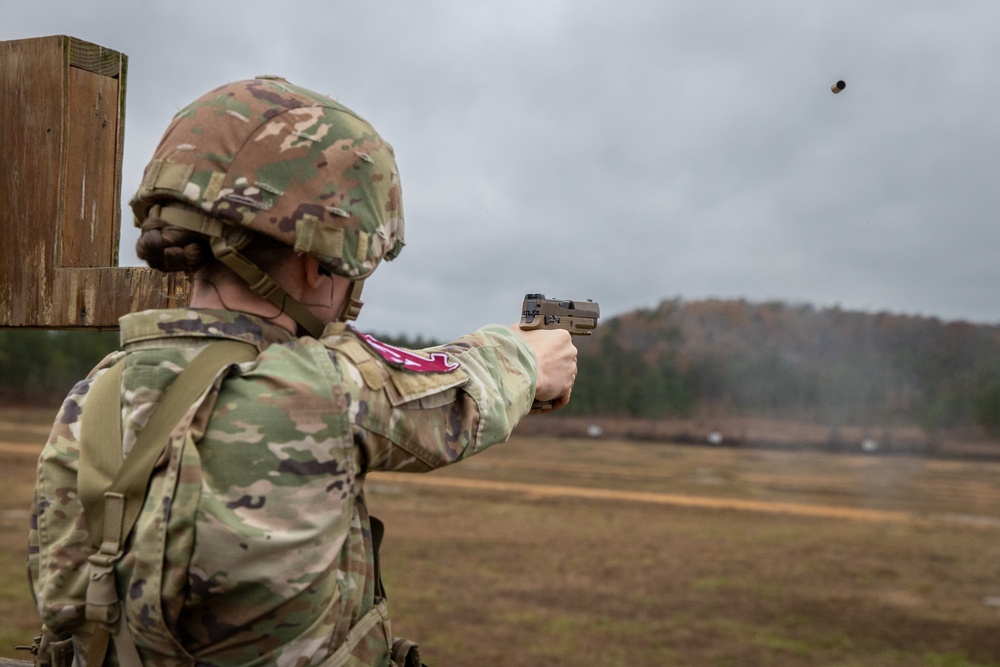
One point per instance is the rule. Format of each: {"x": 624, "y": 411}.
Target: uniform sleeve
{"x": 445, "y": 417}
{"x": 59, "y": 541}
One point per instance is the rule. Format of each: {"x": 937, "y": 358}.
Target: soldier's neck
{"x": 221, "y": 292}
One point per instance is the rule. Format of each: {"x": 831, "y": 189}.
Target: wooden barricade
{"x": 62, "y": 113}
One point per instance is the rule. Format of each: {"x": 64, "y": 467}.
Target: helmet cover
{"x": 286, "y": 162}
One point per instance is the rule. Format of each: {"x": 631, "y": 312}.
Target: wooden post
{"x": 62, "y": 117}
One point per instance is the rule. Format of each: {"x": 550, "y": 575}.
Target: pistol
{"x": 577, "y": 317}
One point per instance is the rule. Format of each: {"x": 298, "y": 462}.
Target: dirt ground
{"x": 551, "y": 551}
{"x": 617, "y": 553}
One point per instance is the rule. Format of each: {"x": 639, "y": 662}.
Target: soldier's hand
{"x": 556, "y": 357}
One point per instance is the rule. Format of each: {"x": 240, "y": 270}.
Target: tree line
{"x": 794, "y": 361}
{"x": 39, "y": 367}
{"x": 683, "y": 358}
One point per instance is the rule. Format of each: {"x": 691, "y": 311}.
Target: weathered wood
{"x": 92, "y": 186}
{"x": 8, "y": 662}
{"x": 62, "y": 109}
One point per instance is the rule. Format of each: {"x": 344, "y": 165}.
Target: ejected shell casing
{"x": 837, "y": 87}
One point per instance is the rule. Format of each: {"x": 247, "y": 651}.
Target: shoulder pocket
{"x": 430, "y": 390}
{"x": 402, "y": 382}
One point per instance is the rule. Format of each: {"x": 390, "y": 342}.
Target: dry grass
{"x": 550, "y": 579}
{"x": 22, "y": 434}
{"x": 553, "y": 567}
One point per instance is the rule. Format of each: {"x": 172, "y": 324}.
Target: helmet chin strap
{"x": 264, "y": 286}
{"x": 227, "y": 242}
{"x": 352, "y": 302}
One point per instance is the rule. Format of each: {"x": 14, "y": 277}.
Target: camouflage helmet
{"x": 286, "y": 162}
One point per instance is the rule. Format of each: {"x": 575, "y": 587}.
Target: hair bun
{"x": 172, "y": 249}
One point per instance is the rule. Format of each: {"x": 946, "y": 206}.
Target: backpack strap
{"x": 113, "y": 491}
{"x": 99, "y": 464}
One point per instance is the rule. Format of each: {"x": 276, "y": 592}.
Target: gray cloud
{"x": 627, "y": 152}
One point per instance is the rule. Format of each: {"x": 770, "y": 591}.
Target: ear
{"x": 311, "y": 275}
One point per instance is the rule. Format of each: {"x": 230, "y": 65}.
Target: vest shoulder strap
{"x": 113, "y": 490}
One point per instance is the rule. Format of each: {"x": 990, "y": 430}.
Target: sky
{"x": 625, "y": 152}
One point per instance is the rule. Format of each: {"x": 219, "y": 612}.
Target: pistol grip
{"x": 540, "y": 407}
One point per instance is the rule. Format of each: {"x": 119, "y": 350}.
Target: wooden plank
{"x": 30, "y": 144}
{"x": 62, "y": 104}
{"x": 91, "y": 201}
{"x": 97, "y": 59}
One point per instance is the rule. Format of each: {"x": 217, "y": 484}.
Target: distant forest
{"x": 40, "y": 367}
{"x": 827, "y": 366}
{"x": 684, "y": 358}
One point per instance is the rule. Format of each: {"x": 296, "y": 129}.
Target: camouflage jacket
{"x": 254, "y": 548}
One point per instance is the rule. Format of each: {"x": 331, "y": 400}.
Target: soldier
{"x": 235, "y": 532}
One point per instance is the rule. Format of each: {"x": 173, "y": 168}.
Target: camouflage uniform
{"x": 255, "y": 547}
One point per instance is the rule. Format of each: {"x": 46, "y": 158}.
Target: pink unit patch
{"x": 437, "y": 362}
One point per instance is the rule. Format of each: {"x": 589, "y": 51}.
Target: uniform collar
{"x": 151, "y": 325}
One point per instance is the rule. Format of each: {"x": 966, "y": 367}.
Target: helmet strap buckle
{"x": 352, "y": 302}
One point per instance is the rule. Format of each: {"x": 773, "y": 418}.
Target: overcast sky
{"x": 627, "y": 152}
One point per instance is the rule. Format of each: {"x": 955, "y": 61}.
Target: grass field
{"x": 601, "y": 552}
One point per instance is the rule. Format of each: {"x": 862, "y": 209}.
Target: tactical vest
{"x": 113, "y": 493}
